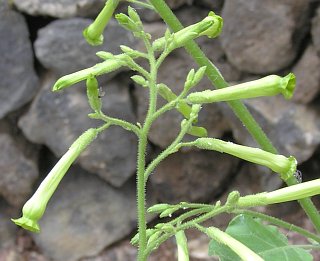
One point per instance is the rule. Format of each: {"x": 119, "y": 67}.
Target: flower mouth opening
{"x": 288, "y": 85}
{"x": 28, "y": 224}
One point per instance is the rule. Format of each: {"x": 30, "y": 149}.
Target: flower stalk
{"x": 267, "y": 86}
{"x": 35, "y": 207}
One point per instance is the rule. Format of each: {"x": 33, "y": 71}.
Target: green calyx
{"x": 267, "y": 86}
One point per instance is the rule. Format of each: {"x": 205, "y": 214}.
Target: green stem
{"x": 238, "y": 108}
{"x": 142, "y": 147}
{"x": 278, "y": 222}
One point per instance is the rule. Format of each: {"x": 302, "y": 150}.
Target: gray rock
{"x": 294, "y": 129}
{"x": 7, "y": 228}
{"x": 192, "y": 176}
{"x": 263, "y": 36}
{"x": 60, "y": 9}
{"x": 214, "y": 5}
{"x": 61, "y": 47}
{"x": 57, "y": 119}
{"x": 173, "y": 73}
{"x": 18, "y": 172}
{"x": 119, "y": 252}
{"x": 308, "y": 76}
{"x": 84, "y": 216}
{"x": 315, "y": 30}
{"x": 18, "y": 82}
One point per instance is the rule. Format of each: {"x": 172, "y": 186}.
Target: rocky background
{"x": 92, "y": 215}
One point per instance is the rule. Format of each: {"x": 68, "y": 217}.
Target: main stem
{"x": 142, "y": 147}
{"x": 237, "y": 106}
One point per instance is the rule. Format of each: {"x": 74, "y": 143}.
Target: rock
{"x": 18, "y": 170}
{"x": 308, "y": 76}
{"x": 293, "y": 129}
{"x": 215, "y": 5}
{"x": 11, "y": 254}
{"x": 18, "y": 82}
{"x": 173, "y": 72}
{"x": 58, "y": 9}
{"x": 315, "y": 31}
{"x": 7, "y": 228}
{"x": 263, "y": 37}
{"x": 194, "y": 176}
{"x": 61, "y": 47}
{"x": 119, "y": 252}
{"x": 57, "y": 119}
{"x": 84, "y": 216}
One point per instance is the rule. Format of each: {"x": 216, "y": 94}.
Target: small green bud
{"x": 233, "y": 198}
{"x": 168, "y": 212}
{"x": 189, "y": 80}
{"x": 199, "y": 75}
{"x": 135, "y": 240}
{"x": 93, "y": 93}
{"x": 267, "y": 86}
{"x": 94, "y": 32}
{"x": 154, "y": 237}
{"x": 134, "y": 16}
{"x": 132, "y": 53}
{"x": 278, "y": 163}
{"x": 168, "y": 228}
{"x": 158, "y": 208}
{"x": 35, "y": 207}
{"x": 195, "y": 110}
{"x": 169, "y": 96}
{"x": 105, "y": 55}
{"x": 140, "y": 80}
{"x": 194, "y": 78}
{"x": 127, "y": 23}
{"x": 197, "y": 131}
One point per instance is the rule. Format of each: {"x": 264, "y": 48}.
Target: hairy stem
{"x": 142, "y": 147}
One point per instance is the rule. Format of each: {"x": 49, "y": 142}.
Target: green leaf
{"x": 265, "y": 240}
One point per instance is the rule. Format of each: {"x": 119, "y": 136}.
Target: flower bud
{"x": 267, "y": 86}
{"x": 93, "y": 93}
{"x": 35, "y": 207}
{"x": 107, "y": 66}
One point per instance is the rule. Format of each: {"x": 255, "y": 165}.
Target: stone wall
{"x": 94, "y": 207}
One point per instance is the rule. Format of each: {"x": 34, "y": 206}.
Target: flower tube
{"x": 35, "y": 207}
{"x": 278, "y": 163}
{"x": 267, "y": 86}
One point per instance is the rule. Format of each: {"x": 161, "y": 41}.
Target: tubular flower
{"x": 278, "y": 163}
{"x": 35, "y": 207}
{"x": 210, "y": 26}
{"x": 267, "y": 86}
